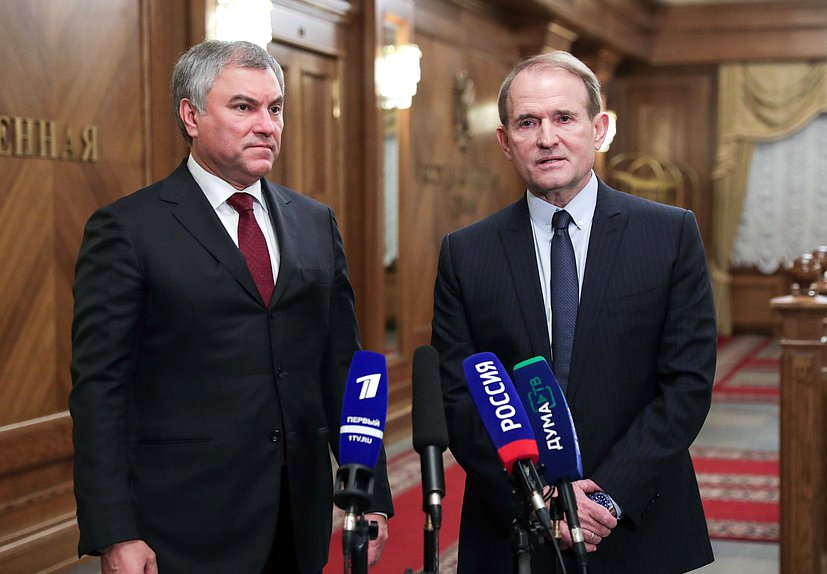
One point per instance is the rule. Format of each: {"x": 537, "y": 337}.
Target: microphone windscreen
{"x": 500, "y": 408}
{"x": 364, "y": 410}
{"x": 427, "y": 411}
{"x": 550, "y": 418}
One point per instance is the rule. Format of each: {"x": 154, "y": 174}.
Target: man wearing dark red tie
{"x": 213, "y": 331}
{"x": 613, "y": 291}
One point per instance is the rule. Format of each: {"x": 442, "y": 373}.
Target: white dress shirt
{"x": 581, "y": 208}
{"x": 219, "y": 191}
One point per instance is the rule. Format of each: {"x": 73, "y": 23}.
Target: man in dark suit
{"x": 214, "y": 328}
{"x": 636, "y": 359}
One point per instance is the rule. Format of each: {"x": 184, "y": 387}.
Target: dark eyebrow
{"x": 567, "y": 113}
{"x": 522, "y": 117}
{"x": 242, "y": 98}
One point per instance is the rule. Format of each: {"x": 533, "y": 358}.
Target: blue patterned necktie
{"x": 565, "y": 296}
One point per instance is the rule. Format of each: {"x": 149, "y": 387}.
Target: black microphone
{"x": 364, "y": 410}
{"x": 430, "y": 432}
{"x": 430, "y": 439}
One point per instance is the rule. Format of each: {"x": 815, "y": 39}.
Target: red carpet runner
{"x": 739, "y": 489}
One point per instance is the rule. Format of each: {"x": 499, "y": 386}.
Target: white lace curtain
{"x": 785, "y": 208}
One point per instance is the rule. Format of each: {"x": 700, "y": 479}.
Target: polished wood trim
{"x": 669, "y": 113}
{"x": 803, "y": 416}
{"x": 51, "y": 548}
{"x": 318, "y": 26}
{"x": 35, "y": 442}
{"x": 166, "y": 34}
{"x": 39, "y": 532}
{"x": 761, "y": 31}
{"x": 750, "y": 291}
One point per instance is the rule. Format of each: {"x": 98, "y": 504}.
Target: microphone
{"x": 430, "y": 432}
{"x": 559, "y": 449}
{"x": 507, "y": 425}
{"x": 430, "y": 439}
{"x": 364, "y": 410}
{"x": 550, "y": 418}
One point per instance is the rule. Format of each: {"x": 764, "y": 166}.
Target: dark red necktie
{"x": 252, "y": 244}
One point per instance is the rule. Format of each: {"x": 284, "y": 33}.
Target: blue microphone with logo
{"x": 559, "y": 450}
{"x": 508, "y": 426}
{"x": 550, "y": 419}
{"x": 364, "y": 410}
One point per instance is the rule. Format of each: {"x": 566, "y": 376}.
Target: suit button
{"x": 280, "y": 373}
{"x": 275, "y": 436}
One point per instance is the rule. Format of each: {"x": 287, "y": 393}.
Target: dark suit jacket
{"x": 186, "y": 386}
{"x": 641, "y": 375}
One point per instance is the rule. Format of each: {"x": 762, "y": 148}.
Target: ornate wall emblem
{"x": 464, "y": 95}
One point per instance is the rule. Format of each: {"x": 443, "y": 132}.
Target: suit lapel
{"x": 287, "y": 233}
{"x": 518, "y": 243}
{"x": 192, "y": 210}
{"x": 607, "y": 231}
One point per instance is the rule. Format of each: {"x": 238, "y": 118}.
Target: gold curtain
{"x": 756, "y": 103}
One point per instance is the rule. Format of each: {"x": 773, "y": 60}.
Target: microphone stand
{"x": 433, "y": 489}
{"x": 522, "y": 534}
{"x": 430, "y": 549}
{"x": 557, "y": 535}
{"x": 527, "y": 531}
{"x": 568, "y": 506}
{"x": 355, "y": 494}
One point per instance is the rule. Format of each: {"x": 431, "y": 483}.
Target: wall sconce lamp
{"x": 240, "y": 20}
{"x": 610, "y": 132}
{"x": 397, "y": 74}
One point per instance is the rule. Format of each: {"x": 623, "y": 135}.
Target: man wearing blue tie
{"x": 614, "y": 292}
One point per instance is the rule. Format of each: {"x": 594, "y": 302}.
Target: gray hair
{"x": 195, "y": 72}
{"x": 557, "y": 59}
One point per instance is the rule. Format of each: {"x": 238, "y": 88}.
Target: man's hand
{"x": 375, "y": 547}
{"x": 596, "y": 522}
{"x": 130, "y": 557}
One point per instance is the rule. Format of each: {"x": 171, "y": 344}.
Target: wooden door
{"x": 310, "y": 160}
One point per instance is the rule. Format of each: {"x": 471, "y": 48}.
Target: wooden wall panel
{"x": 454, "y": 184}
{"x": 80, "y": 83}
{"x": 751, "y": 292}
{"x": 715, "y": 33}
{"x": 452, "y": 187}
{"x": 93, "y": 82}
{"x": 670, "y": 114}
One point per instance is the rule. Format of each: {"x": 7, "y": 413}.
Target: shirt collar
{"x": 219, "y": 191}
{"x": 581, "y": 207}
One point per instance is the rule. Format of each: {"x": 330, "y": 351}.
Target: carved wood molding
{"x": 760, "y": 31}
{"x": 802, "y": 405}
{"x": 38, "y": 530}
{"x": 35, "y": 442}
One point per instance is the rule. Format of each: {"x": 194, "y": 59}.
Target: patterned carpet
{"x": 748, "y": 369}
{"x": 739, "y": 489}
